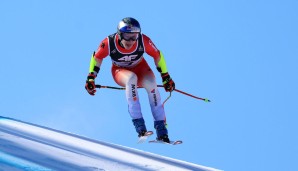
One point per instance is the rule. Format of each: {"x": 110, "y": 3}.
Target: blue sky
{"x": 240, "y": 54}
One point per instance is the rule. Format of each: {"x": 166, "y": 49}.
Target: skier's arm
{"x": 156, "y": 54}
{"x": 97, "y": 57}
{"x": 160, "y": 63}
{"x": 167, "y": 81}
{"x": 94, "y": 66}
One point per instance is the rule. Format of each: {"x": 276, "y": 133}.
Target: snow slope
{"x": 25, "y": 146}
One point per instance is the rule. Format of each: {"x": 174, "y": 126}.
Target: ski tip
{"x": 148, "y": 133}
{"x": 178, "y": 142}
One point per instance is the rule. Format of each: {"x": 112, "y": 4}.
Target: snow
{"x": 25, "y": 146}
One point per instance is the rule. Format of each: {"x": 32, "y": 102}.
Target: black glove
{"x": 168, "y": 83}
{"x": 90, "y": 84}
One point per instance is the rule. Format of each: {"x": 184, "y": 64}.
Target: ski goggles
{"x": 130, "y": 36}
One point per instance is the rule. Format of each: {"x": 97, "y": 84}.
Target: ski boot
{"x": 140, "y": 126}
{"x": 163, "y": 138}
{"x": 142, "y": 133}
{"x": 161, "y": 131}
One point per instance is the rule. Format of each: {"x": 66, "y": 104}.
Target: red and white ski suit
{"x": 130, "y": 70}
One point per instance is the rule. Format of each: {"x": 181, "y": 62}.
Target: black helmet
{"x": 128, "y": 25}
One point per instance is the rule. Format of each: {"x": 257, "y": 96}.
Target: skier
{"x": 129, "y": 69}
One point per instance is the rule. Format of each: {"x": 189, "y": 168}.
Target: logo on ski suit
{"x": 125, "y": 59}
{"x": 128, "y": 58}
{"x": 133, "y": 91}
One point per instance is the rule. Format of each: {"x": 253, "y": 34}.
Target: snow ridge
{"x": 26, "y": 146}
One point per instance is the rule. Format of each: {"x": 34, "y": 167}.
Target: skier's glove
{"x": 90, "y": 84}
{"x": 168, "y": 83}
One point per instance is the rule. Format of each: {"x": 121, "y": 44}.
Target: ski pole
{"x": 122, "y": 88}
{"x": 182, "y": 92}
{"x": 110, "y": 87}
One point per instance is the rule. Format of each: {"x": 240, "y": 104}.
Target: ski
{"x": 170, "y": 143}
{"x": 142, "y": 139}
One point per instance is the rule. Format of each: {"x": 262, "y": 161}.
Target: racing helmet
{"x": 128, "y": 25}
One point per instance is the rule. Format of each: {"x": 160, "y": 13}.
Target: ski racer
{"x": 130, "y": 70}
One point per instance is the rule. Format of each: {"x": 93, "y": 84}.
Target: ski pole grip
{"x": 98, "y": 86}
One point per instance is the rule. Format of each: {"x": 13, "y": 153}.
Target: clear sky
{"x": 242, "y": 55}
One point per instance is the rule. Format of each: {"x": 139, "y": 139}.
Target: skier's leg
{"x": 157, "y": 109}
{"x": 128, "y": 79}
{"x": 161, "y": 130}
{"x": 148, "y": 81}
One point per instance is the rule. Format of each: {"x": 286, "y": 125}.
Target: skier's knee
{"x": 132, "y": 78}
